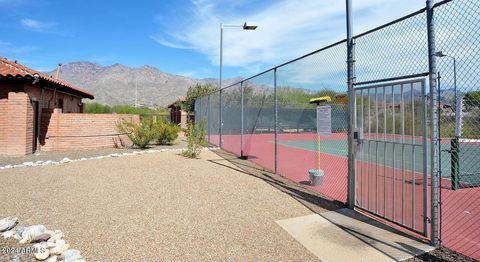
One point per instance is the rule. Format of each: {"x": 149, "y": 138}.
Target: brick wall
{"x": 178, "y": 116}
{"x": 50, "y": 99}
{"x": 16, "y": 125}
{"x": 61, "y": 131}
{"x": 3, "y": 124}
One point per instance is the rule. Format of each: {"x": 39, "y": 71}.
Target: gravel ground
{"x": 76, "y": 154}
{"x": 157, "y": 206}
{"x": 441, "y": 255}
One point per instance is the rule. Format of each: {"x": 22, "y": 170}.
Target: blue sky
{"x": 182, "y": 36}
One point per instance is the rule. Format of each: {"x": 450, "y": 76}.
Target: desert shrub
{"x": 139, "y": 133}
{"x": 195, "y": 139}
{"x": 165, "y": 133}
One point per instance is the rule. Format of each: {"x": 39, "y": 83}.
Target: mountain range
{"x": 116, "y": 84}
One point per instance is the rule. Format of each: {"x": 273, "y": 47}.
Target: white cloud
{"x": 286, "y": 29}
{"x": 36, "y": 25}
{"x": 11, "y": 49}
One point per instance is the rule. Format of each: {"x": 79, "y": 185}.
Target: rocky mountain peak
{"x": 116, "y": 84}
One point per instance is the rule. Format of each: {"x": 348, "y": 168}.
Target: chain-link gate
{"x": 391, "y": 150}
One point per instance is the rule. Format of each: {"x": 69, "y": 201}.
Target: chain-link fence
{"x": 400, "y": 162}
{"x": 458, "y": 60}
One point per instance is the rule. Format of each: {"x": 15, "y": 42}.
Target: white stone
{"x": 28, "y": 164}
{"x": 8, "y": 234}
{"x": 83, "y": 159}
{"x": 65, "y": 160}
{"x": 8, "y": 223}
{"x": 57, "y": 235}
{"x": 18, "y": 233}
{"x": 59, "y": 249}
{"x": 71, "y": 255}
{"x": 8, "y": 166}
{"x": 18, "y": 166}
{"x": 50, "y": 244}
{"x": 52, "y": 259}
{"x": 42, "y": 252}
{"x": 31, "y": 232}
{"x": 60, "y": 242}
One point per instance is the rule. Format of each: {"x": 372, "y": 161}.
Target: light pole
{"x": 245, "y": 26}
{"x": 454, "y": 143}
{"x": 442, "y": 54}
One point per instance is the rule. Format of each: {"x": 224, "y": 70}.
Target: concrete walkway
{"x": 344, "y": 235}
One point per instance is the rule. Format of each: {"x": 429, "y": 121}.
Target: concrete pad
{"x": 344, "y": 235}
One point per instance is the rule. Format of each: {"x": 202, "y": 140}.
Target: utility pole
{"x": 136, "y": 93}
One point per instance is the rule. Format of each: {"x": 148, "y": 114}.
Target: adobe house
{"x": 26, "y": 96}
{"x": 177, "y": 115}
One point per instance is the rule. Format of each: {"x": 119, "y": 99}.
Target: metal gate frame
{"x": 360, "y": 142}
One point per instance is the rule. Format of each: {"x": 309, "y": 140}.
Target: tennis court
{"x": 468, "y": 176}
{"x": 394, "y": 193}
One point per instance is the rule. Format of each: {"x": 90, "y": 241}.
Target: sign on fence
{"x": 324, "y": 120}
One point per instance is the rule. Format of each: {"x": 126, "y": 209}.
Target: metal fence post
{"x": 351, "y": 104}
{"x": 433, "y": 122}
{"x": 221, "y": 120}
{"x": 276, "y": 116}
{"x": 241, "y": 119}
{"x": 208, "y": 118}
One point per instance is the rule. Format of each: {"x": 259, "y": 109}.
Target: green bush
{"x": 165, "y": 133}
{"x": 97, "y": 108}
{"x": 140, "y": 134}
{"x": 195, "y": 139}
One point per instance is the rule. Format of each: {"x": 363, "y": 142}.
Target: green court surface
{"x": 382, "y": 153}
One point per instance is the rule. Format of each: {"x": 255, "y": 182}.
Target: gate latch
{"x": 358, "y": 135}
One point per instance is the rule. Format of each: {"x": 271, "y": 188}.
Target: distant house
{"x": 25, "y": 94}
{"x": 177, "y": 115}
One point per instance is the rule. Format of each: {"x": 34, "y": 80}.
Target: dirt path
{"x": 154, "y": 207}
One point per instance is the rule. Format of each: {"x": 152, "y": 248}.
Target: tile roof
{"x": 12, "y": 69}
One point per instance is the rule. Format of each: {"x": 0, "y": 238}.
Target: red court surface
{"x": 377, "y": 191}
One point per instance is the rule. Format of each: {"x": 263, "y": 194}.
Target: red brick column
{"x": 17, "y": 130}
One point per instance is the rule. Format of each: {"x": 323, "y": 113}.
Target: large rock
{"x": 8, "y": 223}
